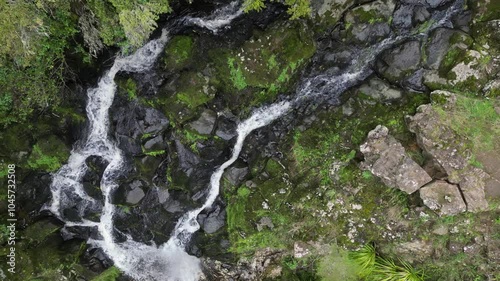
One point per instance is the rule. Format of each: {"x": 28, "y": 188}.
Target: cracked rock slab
{"x": 386, "y": 158}
{"x": 443, "y": 197}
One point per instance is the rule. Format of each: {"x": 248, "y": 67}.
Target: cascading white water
{"x": 218, "y": 19}
{"x": 169, "y": 262}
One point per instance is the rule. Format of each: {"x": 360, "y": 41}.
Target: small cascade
{"x": 220, "y": 18}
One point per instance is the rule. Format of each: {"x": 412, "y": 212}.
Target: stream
{"x": 170, "y": 261}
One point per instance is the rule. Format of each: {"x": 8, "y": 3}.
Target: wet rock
{"x": 236, "y": 175}
{"x": 386, "y": 158}
{"x": 226, "y": 126}
{"x": 437, "y": 3}
{"x": 213, "y": 221}
{"x": 132, "y": 122}
{"x": 396, "y": 63}
{"x": 136, "y": 192}
{"x": 369, "y": 23}
{"x": 156, "y": 143}
{"x": 442, "y": 197}
{"x": 205, "y": 124}
{"x": 91, "y": 181}
{"x": 438, "y": 46}
{"x": 380, "y": 90}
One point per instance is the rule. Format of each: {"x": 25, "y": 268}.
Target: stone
{"x": 448, "y": 150}
{"x": 369, "y": 23}
{"x": 135, "y": 192}
{"x": 155, "y": 144}
{"x": 437, "y": 3}
{"x": 135, "y": 195}
{"x": 416, "y": 250}
{"x": 380, "y": 90}
{"x": 300, "y": 250}
{"x": 443, "y": 197}
{"x": 386, "y": 158}
{"x": 265, "y": 222}
{"x": 213, "y": 221}
{"x": 205, "y": 124}
{"x": 399, "y": 61}
{"x": 236, "y": 175}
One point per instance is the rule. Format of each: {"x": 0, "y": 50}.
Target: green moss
{"x": 453, "y": 57}
{"x": 127, "y": 88}
{"x": 370, "y": 16}
{"x": 264, "y": 65}
{"x": 236, "y": 75}
{"x": 110, "y": 274}
{"x": 178, "y": 51}
{"x": 337, "y": 266}
{"x": 48, "y": 154}
{"x": 193, "y": 90}
{"x": 475, "y": 120}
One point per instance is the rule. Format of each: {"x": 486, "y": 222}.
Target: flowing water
{"x": 169, "y": 261}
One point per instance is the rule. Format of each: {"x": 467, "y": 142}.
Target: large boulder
{"x": 386, "y": 158}
{"x": 443, "y": 197}
{"x": 398, "y": 62}
{"x": 205, "y": 124}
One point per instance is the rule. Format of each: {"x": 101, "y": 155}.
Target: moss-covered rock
{"x": 178, "y": 52}
{"x": 48, "y": 154}
{"x": 265, "y": 63}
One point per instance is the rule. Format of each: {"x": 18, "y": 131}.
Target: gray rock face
{"x": 442, "y": 197}
{"x": 155, "y": 144}
{"x": 136, "y": 193}
{"x": 386, "y": 158}
{"x": 439, "y": 44}
{"x": 380, "y": 90}
{"x": 205, "y": 124}
{"x": 132, "y": 122}
{"x": 449, "y": 150}
{"x": 399, "y": 61}
{"x": 236, "y": 175}
{"x": 370, "y": 22}
{"x": 212, "y": 221}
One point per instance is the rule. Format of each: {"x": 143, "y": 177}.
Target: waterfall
{"x": 170, "y": 262}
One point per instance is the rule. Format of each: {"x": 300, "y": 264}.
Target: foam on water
{"x": 219, "y": 19}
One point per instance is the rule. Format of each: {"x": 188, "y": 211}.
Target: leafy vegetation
{"x": 48, "y": 155}
{"x": 296, "y": 8}
{"x": 109, "y": 274}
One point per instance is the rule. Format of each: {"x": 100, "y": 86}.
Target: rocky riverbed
{"x": 406, "y": 158}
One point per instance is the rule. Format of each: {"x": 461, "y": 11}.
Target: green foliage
{"x": 476, "y": 120}
{"x": 178, "y": 51}
{"x": 296, "y": 8}
{"x": 110, "y": 274}
{"x": 365, "y": 258}
{"x": 32, "y": 64}
{"x": 388, "y": 270}
{"x": 48, "y": 155}
{"x": 253, "y": 5}
{"x": 236, "y": 75}
{"x": 128, "y": 87}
